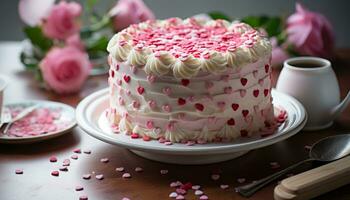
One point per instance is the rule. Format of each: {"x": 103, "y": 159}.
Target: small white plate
{"x": 91, "y": 118}
{"x": 67, "y": 114}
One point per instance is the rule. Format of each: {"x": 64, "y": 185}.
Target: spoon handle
{"x": 249, "y": 189}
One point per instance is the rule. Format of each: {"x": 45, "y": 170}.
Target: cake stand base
{"x": 188, "y": 159}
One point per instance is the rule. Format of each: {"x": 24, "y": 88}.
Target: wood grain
{"x": 37, "y": 183}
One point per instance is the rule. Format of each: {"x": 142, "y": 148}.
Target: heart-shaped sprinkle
{"x": 126, "y": 175}
{"x": 215, "y": 177}
{"x": 241, "y": 180}
{"x": 231, "y": 122}
{"x": 135, "y": 135}
{"x": 146, "y": 138}
{"x": 199, "y": 106}
{"x": 266, "y": 92}
{"x": 79, "y": 188}
{"x": 221, "y": 105}
{"x": 133, "y": 69}
{"x": 203, "y": 197}
{"x": 119, "y": 169}
{"x": 149, "y": 124}
{"x": 167, "y": 108}
{"x": 181, "y": 101}
{"x": 111, "y": 73}
{"x": 74, "y": 157}
{"x": 198, "y": 192}
{"x": 53, "y": 159}
{"x": 140, "y": 90}
{"x": 180, "y": 197}
{"x": 77, "y": 150}
{"x": 225, "y": 78}
{"x": 224, "y": 187}
{"x": 151, "y": 79}
{"x": 163, "y": 171}
{"x": 19, "y": 171}
{"x": 138, "y": 169}
{"x": 261, "y": 82}
{"x": 181, "y": 191}
{"x": 242, "y": 93}
{"x": 244, "y": 81}
{"x": 244, "y": 133}
{"x": 152, "y": 104}
{"x": 104, "y": 160}
{"x": 86, "y": 176}
{"x": 126, "y": 78}
{"x": 245, "y": 113}
{"x": 119, "y": 82}
{"x": 256, "y": 93}
{"x": 173, "y": 195}
{"x": 128, "y": 92}
{"x": 235, "y": 106}
{"x": 136, "y": 104}
{"x": 99, "y": 177}
{"x": 167, "y": 91}
{"x": 267, "y": 67}
{"x": 121, "y": 101}
{"x": 83, "y": 197}
{"x": 117, "y": 67}
{"x": 185, "y": 82}
{"x": 63, "y": 168}
{"x": 196, "y": 187}
{"x": 55, "y": 173}
{"x": 228, "y": 90}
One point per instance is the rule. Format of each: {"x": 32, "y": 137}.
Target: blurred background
{"x": 337, "y": 12}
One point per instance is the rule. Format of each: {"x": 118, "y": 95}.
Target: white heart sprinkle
{"x": 198, "y": 192}
{"x": 173, "y": 195}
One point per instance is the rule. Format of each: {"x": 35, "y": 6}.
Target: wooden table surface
{"x": 37, "y": 183}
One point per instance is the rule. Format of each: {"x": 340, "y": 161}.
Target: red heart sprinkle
{"x": 267, "y": 68}
{"x": 244, "y": 133}
{"x": 53, "y": 159}
{"x": 181, "y": 101}
{"x": 256, "y": 93}
{"x": 112, "y": 73}
{"x": 266, "y": 92}
{"x": 126, "y": 78}
{"x": 135, "y": 135}
{"x": 199, "y": 106}
{"x": 55, "y": 173}
{"x": 231, "y": 122}
{"x": 140, "y": 90}
{"x": 245, "y": 113}
{"x": 185, "y": 82}
{"x": 235, "y": 106}
{"x": 146, "y": 138}
{"x": 244, "y": 81}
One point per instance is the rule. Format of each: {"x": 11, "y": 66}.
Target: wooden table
{"x": 37, "y": 183}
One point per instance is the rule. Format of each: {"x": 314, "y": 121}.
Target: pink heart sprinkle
{"x": 180, "y": 197}
{"x": 79, "y": 188}
{"x": 228, "y": 90}
{"x": 221, "y": 104}
{"x": 261, "y": 82}
{"x": 173, "y": 195}
{"x": 19, "y": 171}
{"x": 75, "y": 157}
{"x": 150, "y": 124}
{"x": 77, "y": 150}
{"x": 119, "y": 169}
{"x": 55, "y": 173}
{"x": 99, "y": 177}
{"x": 203, "y": 197}
{"x": 196, "y": 187}
{"x": 198, "y": 192}
{"x": 53, "y": 159}
{"x": 125, "y": 198}
{"x": 222, "y": 186}
{"x": 174, "y": 184}
{"x": 167, "y": 91}
{"x": 63, "y": 168}
{"x": 167, "y": 108}
{"x": 83, "y": 197}
{"x": 181, "y": 191}
{"x": 86, "y": 176}
{"x": 215, "y": 177}
{"x": 242, "y": 93}
{"x": 151, "y": 79}
{"x": 104, "y": 160}
{"x": 209, "y": 85}
{"x": 126, "y": 175}
{"x": 152, "y": 104}
{"x": 138, "y": 169}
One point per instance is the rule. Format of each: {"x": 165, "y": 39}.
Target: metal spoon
{"x": 325, "y": 150}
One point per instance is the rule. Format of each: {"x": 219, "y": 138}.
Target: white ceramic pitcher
{"x": 312, "y": 81}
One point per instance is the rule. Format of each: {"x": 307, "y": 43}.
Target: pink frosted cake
{"x": 190, "y": 80}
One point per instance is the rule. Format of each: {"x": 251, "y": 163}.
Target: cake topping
{"x": 187, "y": 46}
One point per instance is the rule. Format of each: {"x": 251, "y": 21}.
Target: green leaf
{"x": 219, "y": 15}
{"x": 272, "y": 25}
{"x": 36, "y": 37}
{"x": 90, "y": 4}
{"x": 97, "y": 43}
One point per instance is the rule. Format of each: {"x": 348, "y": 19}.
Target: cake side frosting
{"x": 202, "y": 92}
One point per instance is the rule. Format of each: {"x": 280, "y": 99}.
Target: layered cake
{"x": 190, "y": 80}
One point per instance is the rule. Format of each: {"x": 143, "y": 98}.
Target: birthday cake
{"x": 190, "y": 80}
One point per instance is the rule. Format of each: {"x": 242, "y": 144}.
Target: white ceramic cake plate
{"x": 90, "y": 115}
{"x": 67, "y": 114}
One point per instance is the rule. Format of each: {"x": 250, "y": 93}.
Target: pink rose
{"x": 32, "y": 12}
{"x": 65, "y": 69}
{"x": 279, "y": 54}
{"x": 310, "y": 33}
{"x": 62, "y": 21}
{"x": 75, "y": 41}
{"x": 127, "y": 12}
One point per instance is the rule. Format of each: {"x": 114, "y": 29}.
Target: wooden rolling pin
{"x": 315, "y": 182}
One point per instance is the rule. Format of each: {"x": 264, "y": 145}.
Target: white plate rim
{"x": 42, "y": 137}
{"x": 93, "y": 98}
